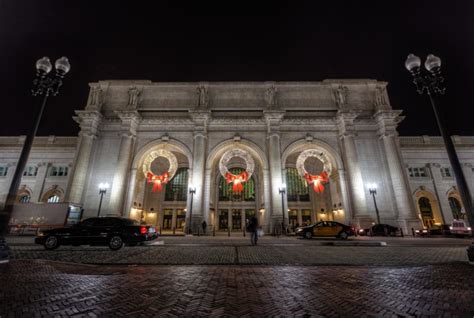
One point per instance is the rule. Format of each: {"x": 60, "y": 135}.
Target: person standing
{"x": 253, "y": 229}
{"x": 204, "y": 226}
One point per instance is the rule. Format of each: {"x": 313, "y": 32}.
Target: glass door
{"x": 167, "y": 219}
{"x": 236, "y": 219}
{"x": 180, "y": 218}
{"x": 223, "y": 219}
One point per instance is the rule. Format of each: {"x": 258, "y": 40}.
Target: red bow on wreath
{"x": 317, "y": 181}
{"x": 158, "y": 180}
{"x": 237, "y": 180}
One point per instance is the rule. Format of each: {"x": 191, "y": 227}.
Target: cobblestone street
{"x": 39, "y": 288}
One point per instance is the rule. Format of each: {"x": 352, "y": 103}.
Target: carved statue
{"x": 380, "y": 96}
{"x": 340, "y": 94}
{"x": 133, "y": 94}
{"x": 270, "y": 97}
{"x": 95, "y": 96}
{"x": 203, "y": 96}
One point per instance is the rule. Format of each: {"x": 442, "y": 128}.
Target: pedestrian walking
{"x": 253, "y": 228}
{"x": 204, "y": 226}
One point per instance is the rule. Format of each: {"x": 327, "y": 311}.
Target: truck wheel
{"x": 115, "y": 243}
{"x": 51, "y": 242}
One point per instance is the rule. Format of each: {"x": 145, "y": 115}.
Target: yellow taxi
{"x": 325, "y": 229}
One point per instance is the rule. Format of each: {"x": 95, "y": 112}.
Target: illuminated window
{"x": 24, "y": 198}
{"x": 297, "y": 188}
{"x": 226, "y": 193}
{"x": 177, "y": 188}
{"x": 54, "y": 199}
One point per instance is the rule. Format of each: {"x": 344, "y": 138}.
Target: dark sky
{"x": 234, "y": 41}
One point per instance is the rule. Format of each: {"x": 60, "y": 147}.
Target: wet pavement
{"x": 30, "y": 288}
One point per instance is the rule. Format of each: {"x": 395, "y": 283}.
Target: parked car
{"x": 422, "y": 232}
{"x": 4, "y": 251}
{"x": 108, "y": 231}
{"x": 442, "y": 229}
{"x": 325, "y": 229}
{"x": 460, "y": 228}
{"x": 381, "y": 230}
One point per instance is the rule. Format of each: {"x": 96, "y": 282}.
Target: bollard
{"x": 470, "y": 254}
{"x": 243, "y": 232}
{"x": 401, "y": 233}
{"x": 160, "y": 230}
{"x": 228, "y": 231}
{"x": 174, "y": 231}
{"x": 213, "y": 231}
{"x": 413, "y": 232}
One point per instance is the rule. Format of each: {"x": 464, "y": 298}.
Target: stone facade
{"x": 350, "y": 121}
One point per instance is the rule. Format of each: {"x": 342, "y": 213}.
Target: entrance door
{"x": 306, "y": 217}
{"x": 167, "y": 219}
{"x": 293, "y": 218}
{"x": 223, "y": 219}
{"x": 180, "y": 218}
{"x": 236, "y": 219}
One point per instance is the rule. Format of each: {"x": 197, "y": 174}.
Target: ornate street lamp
{"x": 102, "y": 190}
{"x": 282, "y": 190}
{"x": 373, "y": 192}
{"x": 192, "y": 191}
{"x": 45, "y": 84}
{"x": 432, "y": 84}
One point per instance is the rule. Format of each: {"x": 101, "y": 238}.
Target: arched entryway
{"x": 227, "y": 210}
{"x": 428, "y": 208}
{"x": 306, "y": 205}
{"x": 165, "y": 206}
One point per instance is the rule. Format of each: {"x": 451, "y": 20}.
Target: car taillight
{"x": 143, "y": 230}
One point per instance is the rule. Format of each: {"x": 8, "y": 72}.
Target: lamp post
{"x": 192, "y": 191}
{"x": 102, "y": 190}
{"x": 431, "y": 83}
{"x": 45, "y": 84}
{"x": 282, "y": 191}
{"x": 373, "y": 192}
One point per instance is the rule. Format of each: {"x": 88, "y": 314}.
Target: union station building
{"x": 222, "y": 152}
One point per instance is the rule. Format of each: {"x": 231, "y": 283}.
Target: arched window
{"x": 296, "y": 186}
{"x": 54, "y": 199}
{"x": 226, "y": 193}
{"x": 177, "y": 188}
{"x": 24, "y": 198}
{"x": 426, "y": 211}
{"x": 455, "y": 208}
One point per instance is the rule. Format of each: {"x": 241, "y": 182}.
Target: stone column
{"x": 387, "y": 121}
{"x": 200, "y": 119}
{"x": 128, "y": 132}
{"x": 8, "y": 182}
{"x": 468, "y": 174}
{"x": 89, "y": 122}
{"x": 437, "y": 179}
{"x": 345, "y": 121}
{"x": 273, "y": 119}
{"x": 39, "y": 182}
{"x": 131, "y": 191}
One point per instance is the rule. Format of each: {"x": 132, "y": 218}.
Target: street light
{"x": 431, "y": 83}
{"x": 45, "y": 84}
{"x": 282, "y": 190}
{"x": 192, "y": 191}
{"x": 373, "y": 192}
{"x": 102, "y": 190}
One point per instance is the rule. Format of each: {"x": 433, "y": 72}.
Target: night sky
{"x": 234, "y": 41}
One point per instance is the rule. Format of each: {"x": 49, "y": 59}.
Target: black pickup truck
{"x": 107, "y": 231}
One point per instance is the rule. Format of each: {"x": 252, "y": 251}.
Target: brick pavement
{"x": 202, "y": 254}
{"x": 48, "y": 289}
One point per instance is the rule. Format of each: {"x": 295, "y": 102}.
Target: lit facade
{"x": 350, "y": 122}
